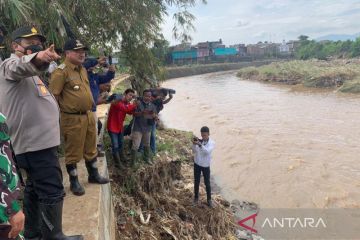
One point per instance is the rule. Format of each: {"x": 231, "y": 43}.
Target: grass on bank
{"x": 344, "y": 74}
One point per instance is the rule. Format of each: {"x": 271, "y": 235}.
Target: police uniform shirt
{"x": 70, "y": 83}
{"x": 31, "y": 110}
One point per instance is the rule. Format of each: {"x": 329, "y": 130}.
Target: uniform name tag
{"x": 41, "y": 88}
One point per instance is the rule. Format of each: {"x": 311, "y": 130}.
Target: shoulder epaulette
{"x": 62, "y": 66}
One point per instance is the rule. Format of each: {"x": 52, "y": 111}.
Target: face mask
{"x": 33, "y": 49}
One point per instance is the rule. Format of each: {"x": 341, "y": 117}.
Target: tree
{"x": 130, "y": 25}
{"x": 355, "y": 48}
{"x": 303, "y": 38}
{"x": 161, "y": 50}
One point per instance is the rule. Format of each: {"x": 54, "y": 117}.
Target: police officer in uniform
{"x": 33, "y": 120}
{"x": 70, "y": 85}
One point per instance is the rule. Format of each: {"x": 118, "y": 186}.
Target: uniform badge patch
{"x": 62, "y": 66}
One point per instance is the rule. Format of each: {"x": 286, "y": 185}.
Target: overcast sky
{"x": 250, "y": 21}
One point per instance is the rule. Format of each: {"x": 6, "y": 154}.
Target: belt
{"x": 78, "y": 113}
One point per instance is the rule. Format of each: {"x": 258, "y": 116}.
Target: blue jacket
{"x": 97, "y": 79}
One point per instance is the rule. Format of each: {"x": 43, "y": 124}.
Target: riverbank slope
{"x": 191, "y": 70}
{"x": 164, "y": 191}
{"x": 342, "y": 75}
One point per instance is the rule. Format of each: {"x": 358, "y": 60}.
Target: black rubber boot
{"x": 122, "y": 155}
{"x": 75, "y": 186}
{"x": 51, "y": 227}
{"x": 209, "y": 203}
{"x": 94, "y": 176}
{"x": 117, "y": 161}
{"x": 32, "y": 213}
{"x": 147, "y": 155}
{"x": 133, "y": 157}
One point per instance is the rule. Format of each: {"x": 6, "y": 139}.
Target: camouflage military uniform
{"x": 9, "y": 180}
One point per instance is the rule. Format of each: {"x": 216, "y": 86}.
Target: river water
{"x": 275, "y": 145}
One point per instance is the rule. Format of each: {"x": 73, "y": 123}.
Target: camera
{"x": 170, "y": 91}
{"x": 163, "y": 91}
{"x": 195, "y": 139}
{"x": 113, "y": 97}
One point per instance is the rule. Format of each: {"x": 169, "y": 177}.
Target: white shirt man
{"x": 202, "y": 152}
{"x": 202, "y": 149}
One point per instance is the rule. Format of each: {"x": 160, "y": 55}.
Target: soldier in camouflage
{"x": 10, "y": 211}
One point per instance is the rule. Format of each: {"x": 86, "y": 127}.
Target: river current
{"x": 275, "y": 145}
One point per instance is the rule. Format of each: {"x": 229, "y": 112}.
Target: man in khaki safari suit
{"x": 70, "y": 85}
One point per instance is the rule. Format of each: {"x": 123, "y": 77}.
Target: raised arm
{"x": 16, "y": 69}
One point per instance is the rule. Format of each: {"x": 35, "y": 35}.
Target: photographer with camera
{"x": 202, "y": 149}
{"x": 92, "y": 66}
{"x": 145, "y": 117}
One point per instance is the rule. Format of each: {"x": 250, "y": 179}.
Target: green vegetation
{"x": 122, "y": 86}
{"x": 322, "y": 50}
{"x": 106, "y": 25}
{"x": 352, "y": 86}
{"x": 344, "y": 75}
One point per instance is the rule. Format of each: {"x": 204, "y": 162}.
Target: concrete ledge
{"x": 91, "y": 214}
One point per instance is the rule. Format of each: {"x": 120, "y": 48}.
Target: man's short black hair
{"x": 146, "y": 90}
{"x": 129, "y": 90}
{"x": 205, "y": 129}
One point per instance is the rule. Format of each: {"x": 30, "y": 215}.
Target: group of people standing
{"x": 145, "y": 112}
{"x": 38, "y": 112}
{"x": 34, "y": 114}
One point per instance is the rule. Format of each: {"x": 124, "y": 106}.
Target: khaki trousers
{"x": 138, "y": 137}
{"x": 79, "y": 133}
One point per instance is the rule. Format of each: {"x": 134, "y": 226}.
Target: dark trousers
{"x": 117, "y": 141}
{"x": 99, "y": 127}
{"x": 44, "y": 177}
{"x": 43, "y": 186}
{"x": 197, "y": 174}
{"x": 152, "y": 140}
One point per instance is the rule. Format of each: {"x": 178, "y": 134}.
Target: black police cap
{"x": 25, "y": 32}
{"x": 74, "y": 44}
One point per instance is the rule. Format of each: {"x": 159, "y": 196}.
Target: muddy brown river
{"x": 275, "y": 145}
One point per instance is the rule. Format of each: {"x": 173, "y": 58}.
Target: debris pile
{"x": 156, "y": 201}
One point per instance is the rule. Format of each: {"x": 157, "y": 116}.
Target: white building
{"x": 284, "y": 48}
